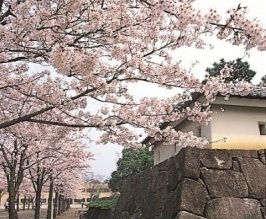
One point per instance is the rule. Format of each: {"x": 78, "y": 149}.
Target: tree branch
{"x": 7, "y": 13}
{"x": 62, "y": 124}
{"x": 14, "y": 60}
{"x": 25, "y": 118}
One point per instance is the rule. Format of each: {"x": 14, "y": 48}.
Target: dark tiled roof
{"x": 259, "y": 94}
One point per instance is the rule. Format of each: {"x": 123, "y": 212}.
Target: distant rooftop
{"x": 260, "y": 94}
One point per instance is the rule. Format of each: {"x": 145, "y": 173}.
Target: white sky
{"x": 107, "y": 155}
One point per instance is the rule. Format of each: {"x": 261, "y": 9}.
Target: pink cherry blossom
{"x": 91, "y": 51}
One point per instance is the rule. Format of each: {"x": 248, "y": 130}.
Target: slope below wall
{"x": 198, "y": 184}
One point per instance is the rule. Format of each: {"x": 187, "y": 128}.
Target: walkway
{"x": 72, "y": 213}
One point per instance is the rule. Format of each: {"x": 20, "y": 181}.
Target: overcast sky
{"x": 107, "y": 155}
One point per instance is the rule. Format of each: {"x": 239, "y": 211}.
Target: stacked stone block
{"x": 198, "y": 184}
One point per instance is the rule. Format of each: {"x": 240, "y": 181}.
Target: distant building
{"x": 3, "y": 197}
{"x": 92, "y": 190}
{"x": 238, "y": 122}
{"x": 89, "y": 191}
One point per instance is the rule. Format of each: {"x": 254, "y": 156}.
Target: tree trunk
{"x": 12, "y": 204}
{"x": 29, "y": 203}
{"x": 59, "y": 205}
{"x": 68, "y": 204}
{"x": 14, "y": 174}
{"x": 18, "y": 202}
{"x": 50, "y": 198}
{"x": 63, "y": 204}
{"x": 24, "y": 202}
{"x": 1, "y": 190}
{"x": 38, "y": 194}
{"x": 55, "y": 204}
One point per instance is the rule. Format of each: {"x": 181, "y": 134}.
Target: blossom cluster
{"x": 94, "y": 50}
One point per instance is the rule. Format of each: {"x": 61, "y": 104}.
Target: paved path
{"x": 72, "y": 213}
{"x": 30, "y": 214}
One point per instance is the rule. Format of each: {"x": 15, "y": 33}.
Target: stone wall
{"x": 97, "y": 213}
{"x": 198, "y": 184}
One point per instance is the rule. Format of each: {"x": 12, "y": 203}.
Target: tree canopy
{"x": 133, "y": 161}
{"x": 239, "y": 70}
{"x": 68, "y": 65}
{"x": 59, "y": 58}
{"x": 263, "y": 79}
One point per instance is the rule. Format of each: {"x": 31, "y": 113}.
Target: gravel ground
{"x": 72, "y": 213}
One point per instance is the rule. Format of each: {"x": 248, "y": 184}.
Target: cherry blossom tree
{"x": 54, "y": 160}
{"x": 27, "y": 192}
{"x": 97, "y": 48}
{"x": 67, "y": 185}
{"x": 25, "y": 147}
{"x": 13, "y": 153}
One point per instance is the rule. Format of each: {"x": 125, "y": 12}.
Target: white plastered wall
{"x": 237, "y": 127}
{"x": 163, "y": 152}
{"x": 234, "y": 125}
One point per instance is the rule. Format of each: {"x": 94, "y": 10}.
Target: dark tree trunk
{"x": 38, "y": 202}
{"x": 68, "y": 203}
{"x": 55, "y": 205}
{"x": 50, "y": 198}
{"x": 38, "y": 185}
{"x": 1, "y": 190}
{"x": 29, "y": 200}
{"x": 12, "y": 203}
{"x": 24, "y": 202}
{"x": 18, "y": 202}
{"x": 14, "y": 172}
{"x": 59, "y": 205}
{"x": 63, "y": 204}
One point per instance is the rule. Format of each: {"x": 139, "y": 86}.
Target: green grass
{"x": 104, "y": 204}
